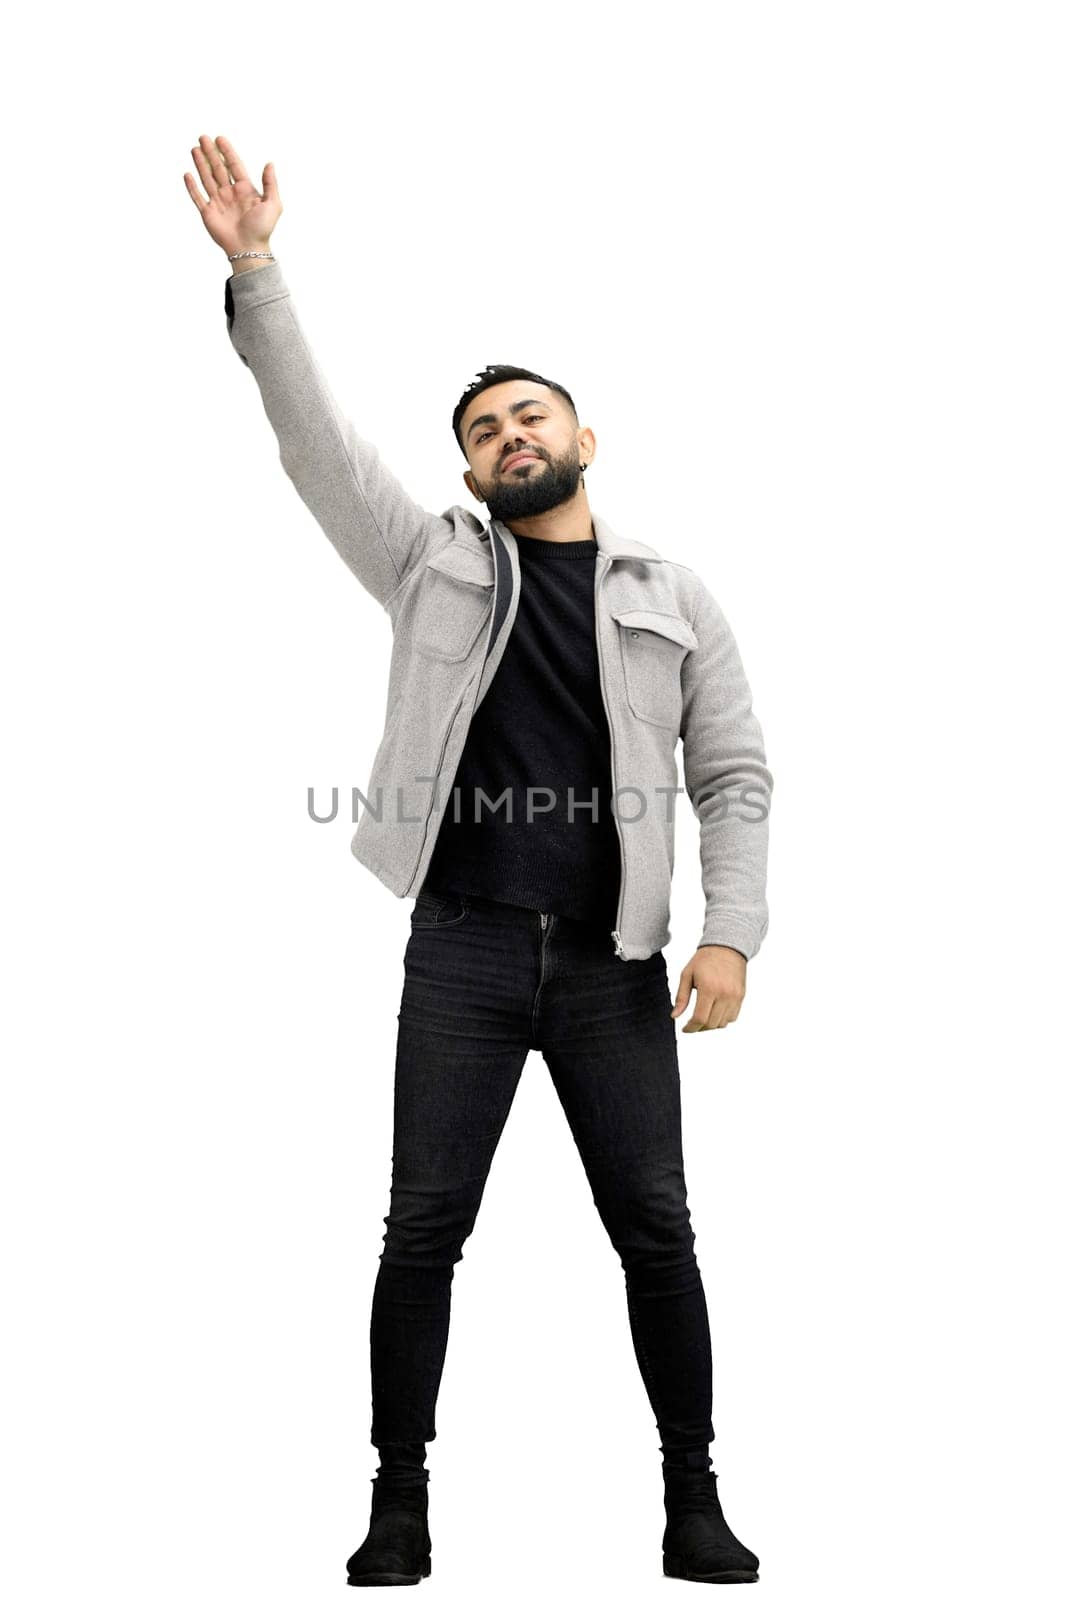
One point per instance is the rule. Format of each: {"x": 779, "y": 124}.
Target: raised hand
{"x": 235, "y": 213}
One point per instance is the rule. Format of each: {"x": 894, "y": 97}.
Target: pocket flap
{"x": 664, "y": 622}
{"x": 469, "y": 566}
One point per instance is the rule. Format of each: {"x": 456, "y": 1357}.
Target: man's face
{"x": 524, "y": 451}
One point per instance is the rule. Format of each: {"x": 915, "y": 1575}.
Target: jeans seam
{"x": 643, "y": 1361}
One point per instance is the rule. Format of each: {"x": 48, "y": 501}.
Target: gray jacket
{"x": 669, "y": 665}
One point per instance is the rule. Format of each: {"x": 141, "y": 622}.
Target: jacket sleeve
{"x": 376, "y": 529}
{"x": 728, "y": 783}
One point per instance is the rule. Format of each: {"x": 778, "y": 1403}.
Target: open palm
{"x": 234, "y": 212}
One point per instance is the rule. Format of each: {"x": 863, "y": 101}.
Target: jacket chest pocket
{"x": 455, "y": 598}
{"x": 654, "y": 645}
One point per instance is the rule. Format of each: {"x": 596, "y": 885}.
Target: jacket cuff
{"x": 252, "y": 288}
{"x": 739, "y": 936}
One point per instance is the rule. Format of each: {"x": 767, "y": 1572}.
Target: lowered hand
{"x": 717, "y": 973}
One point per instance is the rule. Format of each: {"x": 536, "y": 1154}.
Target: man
{"x": 542, "y": 669}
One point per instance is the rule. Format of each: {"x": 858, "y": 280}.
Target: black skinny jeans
{"x": 486, "y": 982}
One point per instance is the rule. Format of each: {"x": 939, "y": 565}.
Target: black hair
{"x": 501, "y": 374}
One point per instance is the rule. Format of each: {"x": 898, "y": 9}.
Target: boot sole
{"x": 368, "y": 1580}
{"x": 675, "y": 1567}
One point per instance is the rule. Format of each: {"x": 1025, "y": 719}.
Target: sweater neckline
{"x": 555, "y": 549}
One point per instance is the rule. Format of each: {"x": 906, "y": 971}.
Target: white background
{"x": 802, "y": 268}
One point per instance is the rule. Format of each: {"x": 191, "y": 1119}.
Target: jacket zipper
{"x": 433, "y": 790}
{"x": 616, "y": 932}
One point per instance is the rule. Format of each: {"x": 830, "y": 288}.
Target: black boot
{"x": 697, "y": 1544}
{"x": 397, "y": 1546}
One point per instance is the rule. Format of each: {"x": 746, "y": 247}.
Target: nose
{"x": 516, "y": 438}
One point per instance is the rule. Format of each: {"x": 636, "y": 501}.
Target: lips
{"x": 515, "y": 461}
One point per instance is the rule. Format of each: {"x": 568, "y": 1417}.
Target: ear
{"x": 586, "y": 445}
{"x": 468, "y": 479}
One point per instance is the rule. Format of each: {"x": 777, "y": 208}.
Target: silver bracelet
{"x": 240, "y": 255}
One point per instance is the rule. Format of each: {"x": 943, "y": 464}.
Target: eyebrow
{"x": 491, "y": 416}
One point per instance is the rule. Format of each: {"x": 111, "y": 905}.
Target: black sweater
{"x": 541, "y": 725}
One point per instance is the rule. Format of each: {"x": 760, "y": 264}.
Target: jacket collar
{"x": 612, "y": 544}
{"x": 615, "y": 546}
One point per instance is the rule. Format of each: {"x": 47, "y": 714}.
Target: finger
{"x": 270, "y": 184}
{"x": 207, "y": 177}
{"x": 229, "y": 155}
{"x": 685, "y": 989}
{"x": 218, "y": 166}
{"x": 190, "y": 183}
{"x": 733, "y": 1010}
{"x": 715, "y": 1014}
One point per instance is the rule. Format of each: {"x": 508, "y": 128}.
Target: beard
{"x": 527, "y": 490}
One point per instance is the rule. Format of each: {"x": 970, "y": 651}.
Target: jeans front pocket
{"x": 432, "y": 911}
